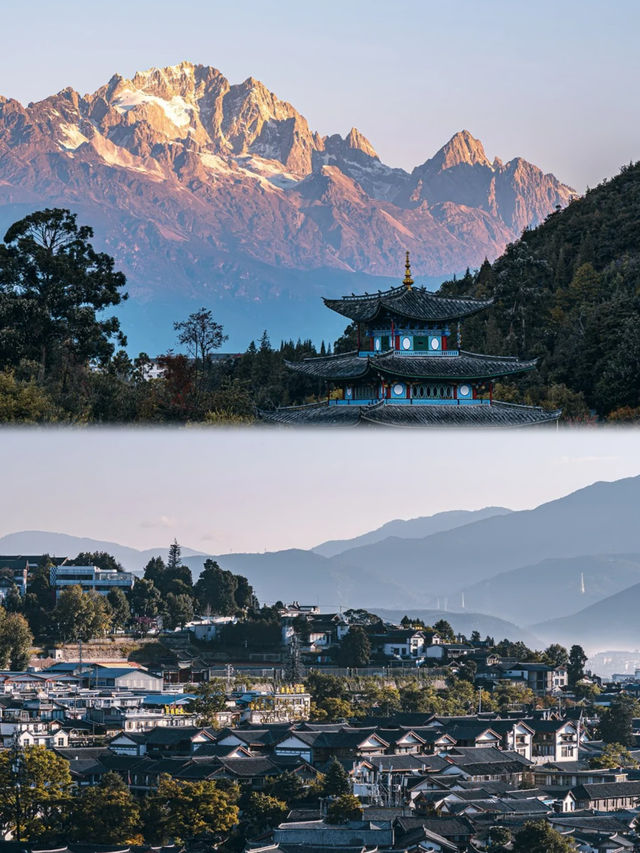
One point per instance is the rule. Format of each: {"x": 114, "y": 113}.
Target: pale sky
{"x": 550, "y": 81}
{"x": 251, "y": 489}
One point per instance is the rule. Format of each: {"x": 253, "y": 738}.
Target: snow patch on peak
{"x": 215, "y": 163}
{"x": 71, "y": 137}
{"x": 268, "y": 168}
{"x": 177, "y": 110}
{"x": 114, "y": 155}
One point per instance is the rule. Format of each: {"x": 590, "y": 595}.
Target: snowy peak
{"x": 186, "y": 173}
{"x": 356, "y": 141}
{"x": 462, "y": 148}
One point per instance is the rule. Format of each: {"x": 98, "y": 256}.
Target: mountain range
{"x": 413, "y": 528}
{"x": 207, "y": 191}
{"x": 568, "y": 570}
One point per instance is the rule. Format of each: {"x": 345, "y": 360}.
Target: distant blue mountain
{"x": 412, "y": 528}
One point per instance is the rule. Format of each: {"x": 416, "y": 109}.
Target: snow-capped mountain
{"x": 194, "y": 185}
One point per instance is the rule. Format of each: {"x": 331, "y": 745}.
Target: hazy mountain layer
{"x": 611, "y": 623}
{"x": 577, "y": 582}
{"x": 412, "y": 528}
{"x": 600, "y": 519}
{"x": 466, "y": 623}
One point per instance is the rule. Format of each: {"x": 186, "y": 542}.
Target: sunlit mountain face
{"x": 207, "y": 191}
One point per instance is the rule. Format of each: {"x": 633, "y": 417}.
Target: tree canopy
{"x": 541, "y": 837}
{"x": 568, "y": 292}
{"x": 54, "y": 287}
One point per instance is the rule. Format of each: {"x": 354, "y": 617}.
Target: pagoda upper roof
{"x": 385, "y": 413}
{"x": 409, "y": 302}
{"x": 465, "y": 366}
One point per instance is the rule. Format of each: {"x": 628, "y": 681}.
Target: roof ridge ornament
{"x": 407, "y": 280}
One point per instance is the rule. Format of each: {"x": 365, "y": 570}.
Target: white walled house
{"x": 399, "y": 644}
{"x": 32, "y": 733}
{"x": 517, "y": 736}
{"x": 554, "y": 741}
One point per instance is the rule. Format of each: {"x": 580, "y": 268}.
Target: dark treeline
{"x": 568, "y": 292}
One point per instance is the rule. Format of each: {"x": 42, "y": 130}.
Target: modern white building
{"x": 88, "y": 578}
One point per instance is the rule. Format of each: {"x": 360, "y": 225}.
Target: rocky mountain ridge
{"x": 198, "y": 185}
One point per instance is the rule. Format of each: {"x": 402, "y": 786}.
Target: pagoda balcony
{"x": 435, "y": 401}
{"x": 408, "y": 353}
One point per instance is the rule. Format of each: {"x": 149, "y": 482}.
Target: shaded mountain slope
{"x": 598, "y": 519}
{"x": 466, "y": 623}
{"x": 308, "y": 578}
{"x": 611, "y": 623}
{"x": 413, "y": 528}
{"x": 522, "y": 595}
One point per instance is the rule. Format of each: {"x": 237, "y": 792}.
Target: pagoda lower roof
{"x": 412, "y": 303}
{"x": 389, "y": 414}
{"x": 465, "y": 366}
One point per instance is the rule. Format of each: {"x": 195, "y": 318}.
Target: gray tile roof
{"x": 430, "y": 415}
{"x": 467, "y": 365}
{"x": 415, "y": 303}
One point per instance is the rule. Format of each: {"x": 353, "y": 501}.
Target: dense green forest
{"x": 568, "y": 292}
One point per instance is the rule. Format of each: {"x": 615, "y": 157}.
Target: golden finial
{"x": 407, "y": 280}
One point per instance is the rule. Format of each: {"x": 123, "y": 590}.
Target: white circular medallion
{"x": 398, "y": 389}
{"x": 464, "y": 391}
{"x": 406, "y": 343}
{"x": 377, "y": 344}
{"x": 435, "y": 343}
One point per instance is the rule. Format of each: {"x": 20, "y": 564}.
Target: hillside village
{"x": 323, "y": 731}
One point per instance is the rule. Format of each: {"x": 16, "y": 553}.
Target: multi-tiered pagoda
{"x": 409, "y": 369}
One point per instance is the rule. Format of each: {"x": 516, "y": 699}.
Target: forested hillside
{"x": 569, "y": 292}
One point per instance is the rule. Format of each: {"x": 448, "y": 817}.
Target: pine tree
{"x": 174, "y": 559}
{"x": 575, "y": 668}
{"x": 355, "y": 648}
{"x": 616, "y": 722}
{"x": 336, "y": 780}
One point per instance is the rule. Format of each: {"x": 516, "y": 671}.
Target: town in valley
{"x": 210, "y": 721}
